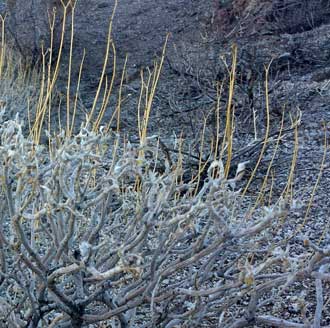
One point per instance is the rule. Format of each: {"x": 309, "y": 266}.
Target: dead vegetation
{"x": 103, "y": 229}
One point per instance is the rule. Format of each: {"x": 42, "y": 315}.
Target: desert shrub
{"x": 90, "y": 234}
{"x": 100, "y": 231}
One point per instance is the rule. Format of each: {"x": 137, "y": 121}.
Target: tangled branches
{"x": 91, "y": 233}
